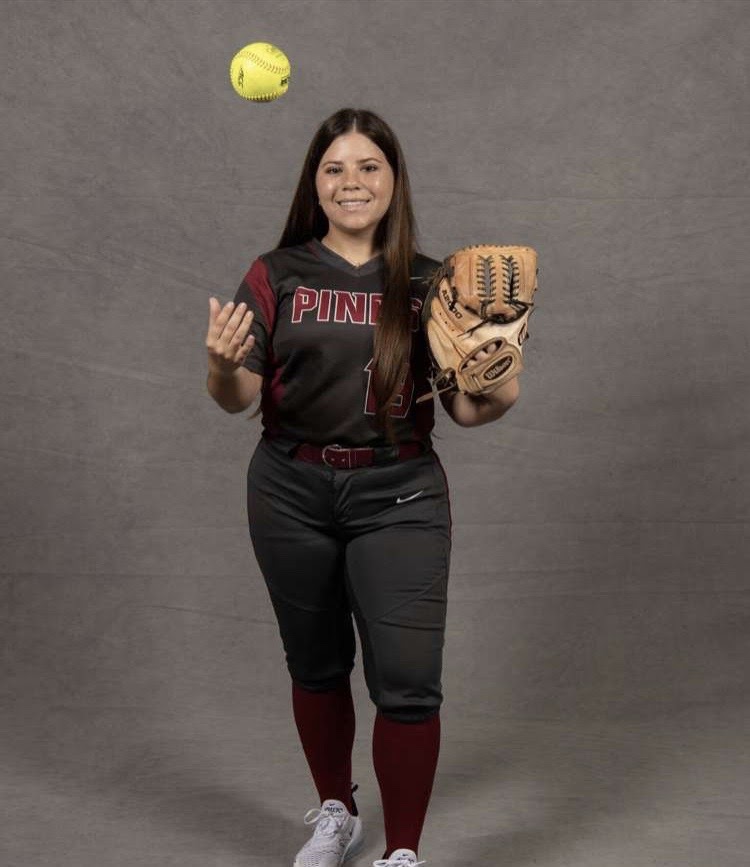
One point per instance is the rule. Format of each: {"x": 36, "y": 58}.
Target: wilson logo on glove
{"x": 494, "y": 372}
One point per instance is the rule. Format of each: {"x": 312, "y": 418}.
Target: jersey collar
{"x": 341, "y": 264}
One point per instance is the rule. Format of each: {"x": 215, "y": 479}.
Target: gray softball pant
{"x": 334, "y": 542}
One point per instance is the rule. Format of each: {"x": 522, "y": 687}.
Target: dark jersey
{"x": 314, "y": 329}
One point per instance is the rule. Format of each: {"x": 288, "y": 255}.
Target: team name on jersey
{"x": 343, "y": 305}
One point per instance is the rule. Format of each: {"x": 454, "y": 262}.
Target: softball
{"x": 260, "y": 72}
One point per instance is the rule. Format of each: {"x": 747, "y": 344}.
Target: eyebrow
{"x": 365, "y": 160}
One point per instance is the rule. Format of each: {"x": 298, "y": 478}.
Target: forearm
{"x": 470, "y": 411}
{"x": 234, "y": 393}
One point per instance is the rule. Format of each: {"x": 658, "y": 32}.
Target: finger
{"x": 244, "y": 326}
{"x": 240, "y": 337}
{"x": 226, "y": 322}
{"x": 244, "y": 349}
{"x": 234, "y": 321}
{"x": 213, "y": 309}
{"x": 218, "y": 317}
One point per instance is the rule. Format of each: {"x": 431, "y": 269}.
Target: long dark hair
{"x": 396, "y": 236}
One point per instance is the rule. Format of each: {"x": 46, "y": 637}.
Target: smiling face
{"x": 354, "y": 182}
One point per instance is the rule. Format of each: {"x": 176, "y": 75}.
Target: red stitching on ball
{"x": 270, "y": 67}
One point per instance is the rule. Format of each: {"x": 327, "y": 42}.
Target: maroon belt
{"x": 343, "y": 457}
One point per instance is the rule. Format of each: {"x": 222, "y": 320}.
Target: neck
{"x": 354, "y": 250}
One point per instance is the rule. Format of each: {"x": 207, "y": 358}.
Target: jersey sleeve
{"x": 256, "y": 291}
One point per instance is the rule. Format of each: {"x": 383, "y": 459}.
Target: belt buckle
{"x": 331, "y": 446}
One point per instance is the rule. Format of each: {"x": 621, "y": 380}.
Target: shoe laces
{"x": 328, "y": 825}
{"x": 399, "y": 861}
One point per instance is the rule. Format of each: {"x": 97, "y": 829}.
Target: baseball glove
{"x": 479, "y": 299}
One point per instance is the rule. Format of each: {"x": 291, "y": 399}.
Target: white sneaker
{"x": 338, "y": 836}
{"x": 399, "y": 858}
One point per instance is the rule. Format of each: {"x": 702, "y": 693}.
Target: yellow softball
{"x": 260, "y": 72}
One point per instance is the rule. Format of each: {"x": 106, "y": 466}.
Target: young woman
{"x": 348, "y": 504}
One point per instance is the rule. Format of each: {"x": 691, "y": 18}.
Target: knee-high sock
{"x": 405, "y": 757}
{"x": 325, "y": 722}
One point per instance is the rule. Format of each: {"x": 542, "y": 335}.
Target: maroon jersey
{"x": 314, "y": 328}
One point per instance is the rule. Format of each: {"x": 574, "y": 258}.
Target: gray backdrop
{"x": 597, "y": 645}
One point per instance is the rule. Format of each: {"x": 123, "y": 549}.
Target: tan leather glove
{"x": 480, "y": 296}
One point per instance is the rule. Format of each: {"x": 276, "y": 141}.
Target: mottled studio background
{"x": 596, "y": 693}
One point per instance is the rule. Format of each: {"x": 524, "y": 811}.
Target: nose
{"x": 349, "y": 178}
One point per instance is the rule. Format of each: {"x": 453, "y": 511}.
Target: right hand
{"x": 227, "y": 329}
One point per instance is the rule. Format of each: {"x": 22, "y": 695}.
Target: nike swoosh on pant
{"x": 404, "y": 499}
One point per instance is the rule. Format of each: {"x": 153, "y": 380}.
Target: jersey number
{"x": 402, "y": 401}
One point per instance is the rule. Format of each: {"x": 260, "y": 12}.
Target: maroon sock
{"x": 405, "y": 757}
{"x": 325, "y": 722}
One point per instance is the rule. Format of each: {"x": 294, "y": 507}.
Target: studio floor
{"x": 110, "y": 788}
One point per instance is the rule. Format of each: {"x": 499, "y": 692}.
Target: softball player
{"x": 347, "y": 516}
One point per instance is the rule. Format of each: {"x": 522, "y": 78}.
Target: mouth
{"x": 353, "y": 204}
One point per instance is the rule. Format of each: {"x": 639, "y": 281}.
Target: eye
{"x": 332, "y": 169}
